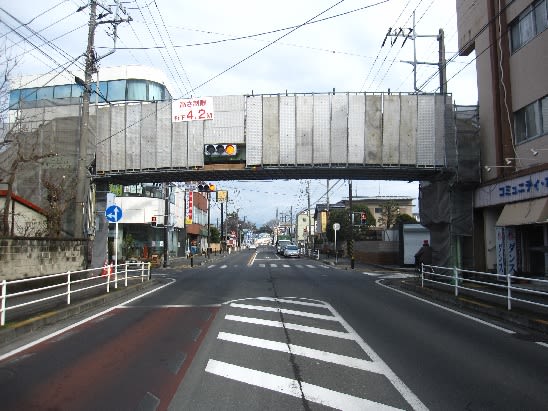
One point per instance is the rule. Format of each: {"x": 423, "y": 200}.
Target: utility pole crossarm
{"x": 412, "y": 33}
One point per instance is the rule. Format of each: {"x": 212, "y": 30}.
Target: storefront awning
{"x": 524, "y": 212}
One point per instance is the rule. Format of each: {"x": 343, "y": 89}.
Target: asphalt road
{"x": 258, "y": 332}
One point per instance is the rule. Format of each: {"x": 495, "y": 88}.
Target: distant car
{"x": 291, "y": 250}
{"x": 281, "y": 245}
{"x": 252, "y": 246}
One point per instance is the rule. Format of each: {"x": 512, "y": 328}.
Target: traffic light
{"x": 206, "y": 188}
{"x": 220, "y": 150}
{"x": 153, "y": 222}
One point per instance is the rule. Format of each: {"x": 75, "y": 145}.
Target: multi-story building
{"x": 304, "y": 227}
{"x": 49, "y": 110}
{"x": 510, "y": 39}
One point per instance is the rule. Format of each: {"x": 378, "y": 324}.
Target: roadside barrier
{"x": 32, "y": 291}
{"x": 527, "y": 290}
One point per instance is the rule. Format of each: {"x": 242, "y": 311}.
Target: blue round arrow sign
{"x": 113, "y": 213}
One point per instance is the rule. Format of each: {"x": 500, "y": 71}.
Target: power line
{"x": 265, "y": 47}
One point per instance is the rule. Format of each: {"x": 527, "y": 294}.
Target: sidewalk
{"x": 529, "y": 316}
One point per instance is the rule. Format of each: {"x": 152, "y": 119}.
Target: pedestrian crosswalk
{"x": 300, "y": 349}
{"x": 272, "y": 265}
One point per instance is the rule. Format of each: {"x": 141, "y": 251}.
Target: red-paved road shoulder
{"x": 130, "y": 357}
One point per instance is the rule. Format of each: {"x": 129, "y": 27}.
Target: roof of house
{"x": 21, "y": 200}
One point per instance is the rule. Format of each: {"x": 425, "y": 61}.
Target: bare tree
{"x": 61, "y": 193}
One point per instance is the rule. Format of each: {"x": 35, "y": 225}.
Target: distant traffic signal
{"x": 206, "y": 188}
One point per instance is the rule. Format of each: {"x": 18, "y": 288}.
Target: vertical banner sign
{"x": 192, "y": 109}
{"x": 500, "y": 249}
{"x": 507, "y": 255}
{"x": 189, "y": 206}
{"x": 511, "y": 251}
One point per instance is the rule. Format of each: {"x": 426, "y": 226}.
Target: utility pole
{"x": 166, "y": 223}
{"x": 411, "y": 32}
{"x": 83, "y": 179}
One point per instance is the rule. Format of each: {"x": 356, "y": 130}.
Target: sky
{"x": 215, "y": 48}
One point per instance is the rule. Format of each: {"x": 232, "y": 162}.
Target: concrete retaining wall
{"x": 21, "y": 258}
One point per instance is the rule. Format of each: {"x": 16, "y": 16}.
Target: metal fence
{"x": 527, "y": 290}
{"x": 35, "y": 293}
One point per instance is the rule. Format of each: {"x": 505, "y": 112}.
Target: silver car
{"x": 291, "y": 250}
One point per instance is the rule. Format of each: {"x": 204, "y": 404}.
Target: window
{"x": 531, "y": 121}
{"x": 28, "y": 94}
{"x": 136, "y": 90}
{"x": 155, "y": 91}
{"x": 116, "y": 90}
{"x": 77, "y": 90}
{"x": 101, "y": 94}
{"x": 44, "y": 93}
{"x": 530, "y": 23}
{"x": 62, "y": 91}
{"x": 15, "y": 95}
{"x": 378, "y": 210}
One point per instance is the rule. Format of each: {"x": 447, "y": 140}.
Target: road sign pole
{"x": 116, "y": 255}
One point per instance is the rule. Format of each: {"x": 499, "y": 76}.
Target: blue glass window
{"x": 101, "y": 95}
{"x": 77, "y": 90}
{"x": 44, "y": 93}
{"x": 28, "y": 94}
{"x": 136, "y": 90}
{"x": 63, "y": 91}
{"x": 155, "y": 91}
{"x": 15, "y": 95}
{"x": 116, "y": 90}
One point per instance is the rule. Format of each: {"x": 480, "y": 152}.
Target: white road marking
{"x": 284, "y": 311}
{"x": 409, "y": 396}
{"x": 289, "y": 326}
{"x": 301, "y": 351}
{"x": 262, "y": 265}
{"x": 310, "y": 266}
{"x": 291, "y": 301}
{"x": 224, "y": 266}
{"x": 290, "y": 386}
{"x": 542, "y": 343}
{"x": 506, "y": 330}
{"x": 372, "y": 274}
{"x": 274, "y": 265}
{"x": 77, "y": 324}
{"x": 286, "y": 266}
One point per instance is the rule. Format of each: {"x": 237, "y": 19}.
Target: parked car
{"x": 292, "y": 250}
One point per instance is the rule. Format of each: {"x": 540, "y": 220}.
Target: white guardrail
{"x": 506, "y": 285}
{"x": 68, "y": 284}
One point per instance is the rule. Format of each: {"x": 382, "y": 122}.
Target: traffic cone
{"x": 105, "y": 269}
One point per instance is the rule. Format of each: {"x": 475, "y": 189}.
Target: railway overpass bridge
{"x": 290, "y": 136}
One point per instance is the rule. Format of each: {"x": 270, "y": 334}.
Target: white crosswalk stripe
{"x": 272, "y": 265}
{"x": 313, "y": 333}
